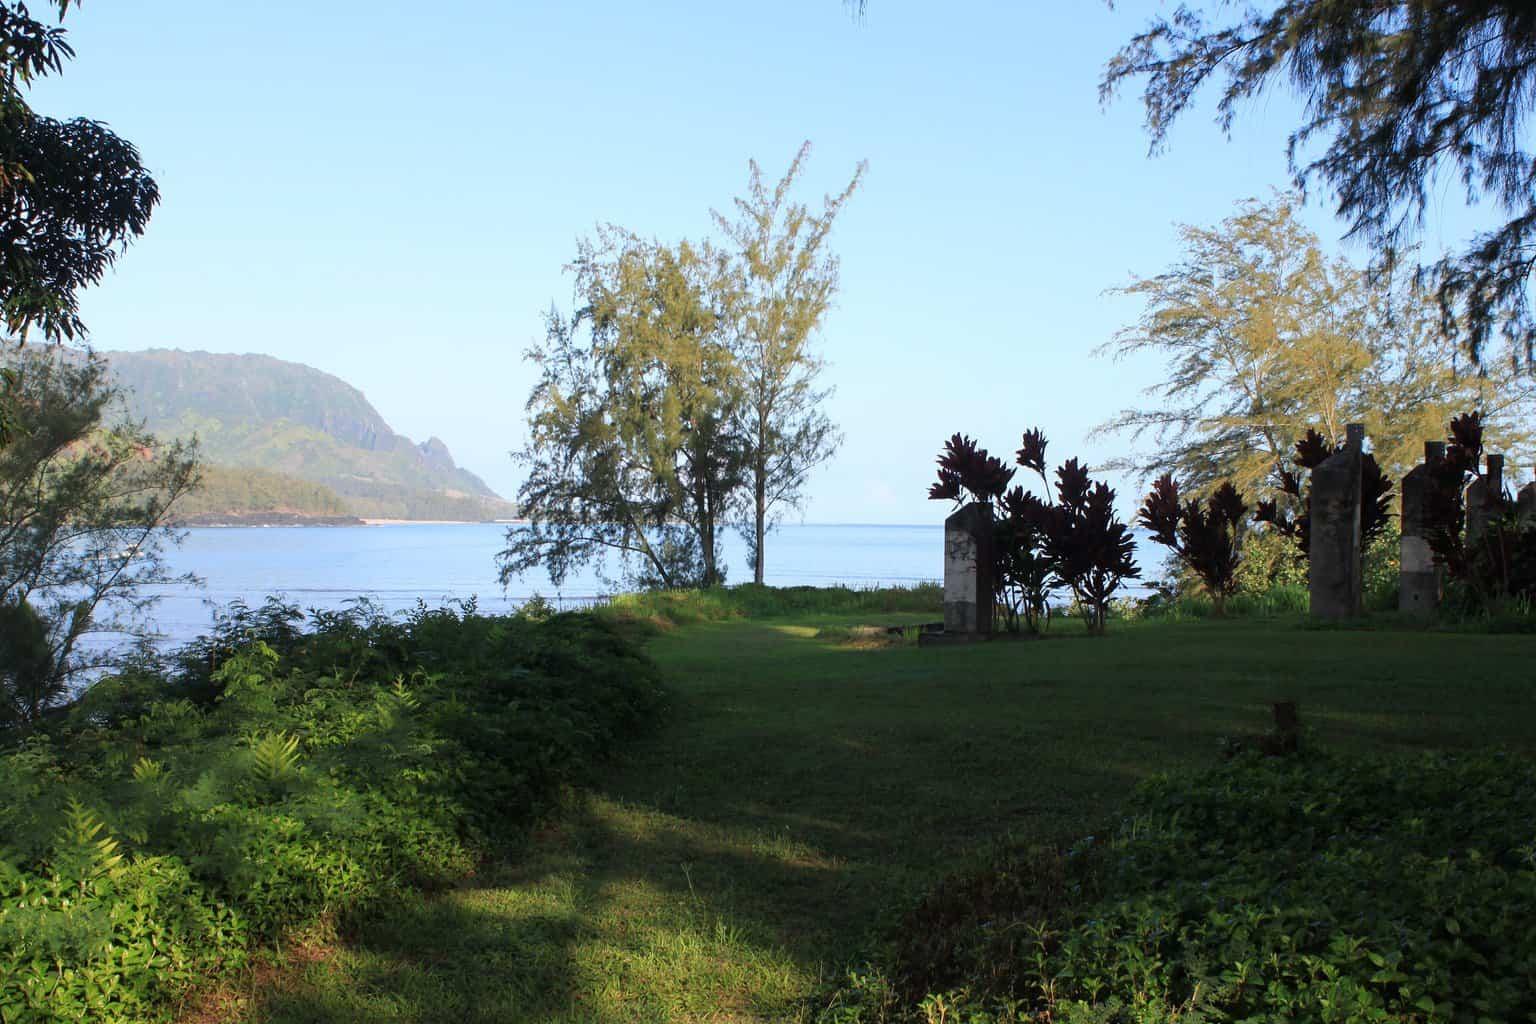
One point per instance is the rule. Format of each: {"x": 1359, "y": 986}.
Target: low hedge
{"x": 178, "y": 817}
{"x": 1309, "y": 888}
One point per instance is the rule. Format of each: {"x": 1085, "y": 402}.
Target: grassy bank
{"x": 806, "y": 790}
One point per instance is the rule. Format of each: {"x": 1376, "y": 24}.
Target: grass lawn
{"x": 803, "y": 791}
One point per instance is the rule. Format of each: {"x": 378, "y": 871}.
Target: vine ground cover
{"x": 805, "y": 792}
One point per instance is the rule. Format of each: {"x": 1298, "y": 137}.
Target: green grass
{"x": 804, "y": 790}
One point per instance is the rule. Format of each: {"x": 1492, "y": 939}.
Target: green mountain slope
{"x": 315, "y": 443}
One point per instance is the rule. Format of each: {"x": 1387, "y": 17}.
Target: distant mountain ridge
{"x": 295, "y": 424}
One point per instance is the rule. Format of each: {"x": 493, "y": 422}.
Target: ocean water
{"x": 324, "y": 567}
{"x": 395, "y": 566}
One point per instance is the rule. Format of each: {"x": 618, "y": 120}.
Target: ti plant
{"x": 967, "y": 472}
{"x": 1091, "y": 551}
{"x": 1312, "y": 451}
{"x": 1495, "y": 562}
{"x": 1207, "y": 538}
{"x": 1072, "y": 539}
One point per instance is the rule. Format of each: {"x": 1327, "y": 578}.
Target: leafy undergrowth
{"x": 749, "y": 601}
{"x": 804, "y": 793}
{"x": 175, "y": 820}
{"x": 1307, "y": 888}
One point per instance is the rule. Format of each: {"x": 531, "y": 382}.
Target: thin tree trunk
{"x": 759, "y": 525}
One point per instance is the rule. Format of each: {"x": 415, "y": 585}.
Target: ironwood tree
{"x": 633, "y": 448}
{"x": 1264, "y": 337}
{"x": 786, "y": 277}
{"x": 1398, "y": 94}
{"x": 85, "y": 500}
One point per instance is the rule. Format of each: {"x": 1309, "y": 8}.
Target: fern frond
{"x": 275, "y": 757}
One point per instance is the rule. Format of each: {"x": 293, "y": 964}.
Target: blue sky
{"x": 389, "y": 191}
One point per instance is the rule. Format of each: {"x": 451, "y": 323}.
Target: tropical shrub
{"x": 1207, "y": 539}
{"x": 179, "y": 814}
{"x": 1070, "y": 539}
{"x": 1301, "y": 888}
{"x": 1496, "y": 564}
{"x": 1290, "y": 514}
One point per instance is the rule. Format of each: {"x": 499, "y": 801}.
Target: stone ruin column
{"x": 1483, "y": 496}
{"x": 1334, "y": 553}
{"x": 969, "y": 601}
{"x": 1418, "y": 591}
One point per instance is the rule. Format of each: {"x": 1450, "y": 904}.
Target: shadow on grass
{"x": 804, "y": 791}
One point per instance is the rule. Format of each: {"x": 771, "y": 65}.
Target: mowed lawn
{"x": 802, "y": 791}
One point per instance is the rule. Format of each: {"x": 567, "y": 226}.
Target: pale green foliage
{"x": 84, "y": 500}
{"x": 274, "y": 758}
{"x": 633, "y": 449}
{"x": 1263, "y": 337}
{"x": 787, "y": 278}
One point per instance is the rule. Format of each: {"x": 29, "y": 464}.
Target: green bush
{"x": 176, "y": 817}
{"x": 1295, "y": 889}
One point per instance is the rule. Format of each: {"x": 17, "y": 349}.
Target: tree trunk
{"x": 759, "y": 525}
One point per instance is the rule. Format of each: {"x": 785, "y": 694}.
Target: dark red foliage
{"x": 1312, "y": 450}
{"x": 1032, "y": 455}
{"x": 1467, "y": 434}
{"x": 1207, "y": 538}
{"x": 1072, "y": 484}
{"x": 1160, "y": 511}
{"x": 947, "y": 489}
{"x": 1040, "y": 545}
{"x": 1228, "y": 501}
{"x": 1091, "y": 551}
{"x": 966, "y": 470}
{"x": 1375, "y": 499}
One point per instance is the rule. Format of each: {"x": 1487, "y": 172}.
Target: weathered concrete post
{"x": 1525, "y": 504}
{"x": 1334, "y": 554}
{"x": 1418, "y": 591}
{"x": 1483, "y": 496}
{"x": 968, "y": 585}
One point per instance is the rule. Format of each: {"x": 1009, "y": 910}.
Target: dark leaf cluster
{"x": 1207, "y": 538}
{"x": 1290, "y": 515}
{"x": 1487, "y": 551}
{"x": 968, "y": 472}
{"x": 1071, "y": 541}
{"x": 72, "y": 193}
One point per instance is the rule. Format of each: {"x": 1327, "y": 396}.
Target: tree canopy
{"x": 1264, "y": 337}
{"x": 84, "y": 499}
{"x": 72, "y": 193}
{"x": 632, "y": 449}
{"x": 787, "y": 278}
{"x": 1396, "y": 93}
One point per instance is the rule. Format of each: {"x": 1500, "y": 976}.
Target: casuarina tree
{"x": 786, "y": 278}
{"x": 1399, "y": 95}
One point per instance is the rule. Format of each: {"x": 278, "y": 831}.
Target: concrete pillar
{"x": 1483, "y": 497}
{"x": 1418, "y": 589}
{"x": 1525, "y": 504}
{"x": 1334, "y": 566}
{"x": 969, "y": 601}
